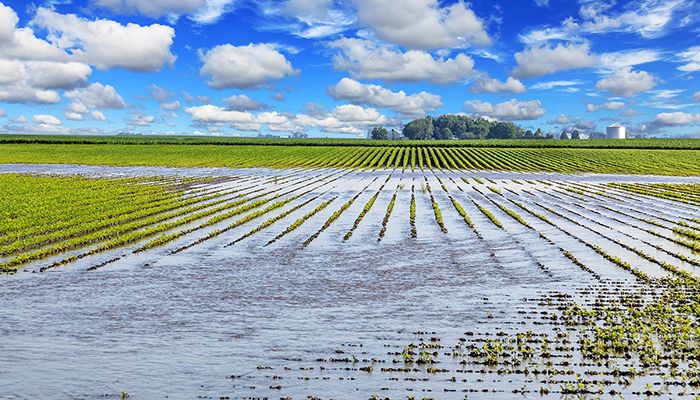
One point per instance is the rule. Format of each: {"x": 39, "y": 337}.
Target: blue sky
{"x": 337, "y": 68}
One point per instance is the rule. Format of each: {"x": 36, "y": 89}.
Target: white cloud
{"x": 8, "y": 22}
{"x": 140, "y": 120}
{"x": 158, "y": 93}
{"x": 98, "y": 115}
{"x": 347, "y": 118}
{"x": 36, "y": 81}
{"x": 554, "y": 84}
{"x": 46, "y": 119}
{"x": 561, "y": 119}
{"x": 199, "y": 11}
{"x": 154, "y": 9}
{"x": 485, "y": 84}
{"x": 646, "y": 18}
{"x": 212, "y": 114}
{"x": 316, "y": 18}
{"x": 510, "y": 110}
{"x": 212, "y": 11}
{"x": 367, "y": 60}
{"x": 666, "y": 94}
{"x": 97, "y": 95}
{"x": 611, "y": 106}
{"x": 2, "y": 113}
{"x": 172, "y": 106}
{"x": 244, "y": 66}
{"x": 696, "y": 96}
{"x": 418, "y": 104}
{"x": 626, "y": 82}
{"x": 691, "y": 59}
{"x": 543, "y": 60}
{"x": 676, "y": 119}
{"x": 351, "y": 119}
{"x": 74, "y": 116}
{"x": 614, "y": 61}
{"x": 108, "y": 44}
{"x": 242, "y": 102}
{"x": 423, "y": 24}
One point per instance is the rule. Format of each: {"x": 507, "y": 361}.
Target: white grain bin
{"x": 615, "y": 131}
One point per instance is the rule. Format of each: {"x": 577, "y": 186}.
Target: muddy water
{"x": 249, "y": 320}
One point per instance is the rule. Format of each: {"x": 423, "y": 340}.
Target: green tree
{"x": 575, "y": 134}
{"x": 503, "y": 130}
{"x": 419, "y": 129}
{"x": 379, "y": 133}
{"x": 564, "y": 135}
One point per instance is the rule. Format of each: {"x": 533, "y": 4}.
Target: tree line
{"x": 446, "y": 127}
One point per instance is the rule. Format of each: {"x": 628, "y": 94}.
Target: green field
{"x": 679, "y": 144}
{"x": 429, "y": 155}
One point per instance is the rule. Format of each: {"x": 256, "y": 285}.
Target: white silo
{"x": 615, "y": 131}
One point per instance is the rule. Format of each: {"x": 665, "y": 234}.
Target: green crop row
{"x": 429, "y": 155}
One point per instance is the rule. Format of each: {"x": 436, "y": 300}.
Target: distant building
{"x": 615, "y": 131}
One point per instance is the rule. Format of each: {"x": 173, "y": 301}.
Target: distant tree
{"x": 443, "y": 133}
{"x": 529, "y": 134}
{"x": 503, "y": 130}
{"x": 564, "y": 135}
{"x": 575, "y": 134}
{"x": 379, "y": 133}
{"x": 419, "y": 129}
{"x": 539, "y": 134}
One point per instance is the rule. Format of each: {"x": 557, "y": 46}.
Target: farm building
{"x": 615, "y": 131}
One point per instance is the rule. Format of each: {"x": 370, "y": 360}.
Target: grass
{"x": 358, "y": 155}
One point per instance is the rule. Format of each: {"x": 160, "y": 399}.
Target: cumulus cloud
{"x": 626, "y": 82}
{"x": 415, "y": 105}
{"x": 690, "y": 59}
{"x": 248, "y": 66}
{"x": 141, "y": 120}
{"x": 544, "y": 59}
{"x": 561, "y": 119}
{"x": 172, "y": 106}
{"x": 513, "y": 110}
{"x": 611, "y": 106}
{"x": 8, "y": 22}
{"x": 97, "y": 95}
{"x": 423, "y": 24}
{"x": 485, "y": 84}
{"x": 347, "y": 118}
{"x": 46, "y": 119}
{"x": 108, "y": 44}
{"x": 696, "y": 96}
{"x": 676, "y": 119}
{"x": 36, "y": 81}
{"x": 212, "y": 114}
{"x": 365, "y": 59}
{"x": 242, "y": 102}
{"x": 158, "y": 93}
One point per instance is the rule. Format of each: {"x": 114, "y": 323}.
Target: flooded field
{"x": 323, "y": 283}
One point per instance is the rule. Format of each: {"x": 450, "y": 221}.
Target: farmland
{"x": 679, "y": 159}
{"x": 423, "y": 279}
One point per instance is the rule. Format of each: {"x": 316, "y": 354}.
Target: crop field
{"x": 406, "y": 274}
{"x": 655, "y": 157}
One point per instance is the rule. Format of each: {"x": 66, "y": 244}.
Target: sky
{"x": 337, "y": 68}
